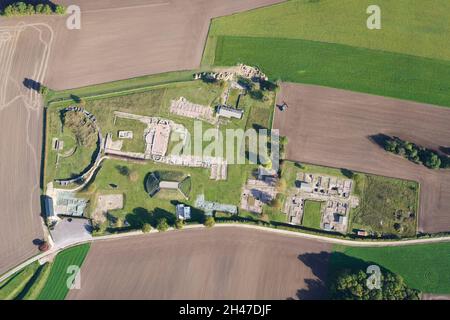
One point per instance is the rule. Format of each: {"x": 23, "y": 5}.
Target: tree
{"x": 246, "y": 83}
{"x": 47, "y": 9}
{"x": 162, "y": 225}
{"x": 59, "y": 9}
{"x": 209, "y": 222}
{"x": 432, "y": 160}
{"x": 179, "y": 224}
{"x": 353, "y": 286}
{"x": 267, "y": 85}
{"x": 39, "y": 8}
{"x": 390, "y": 145}
{"x": 256, "y": 94}
{"x": 146, "y": 228}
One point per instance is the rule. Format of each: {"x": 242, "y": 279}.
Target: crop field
{"x": 424, "y": 267}
{"x": 291, "y": 267}
{"x": 327, "y": 43}
{"x": 312, "y": 214}
{"x": 337, "y": 128}
{"x": 24, "y": 52}
{"x": 139, "y": 37}
{"x": 340, "y": 66}
{"x": 55, "y": 287}
{"x": 409, "y": 27}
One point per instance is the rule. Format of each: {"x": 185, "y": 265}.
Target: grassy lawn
{"x": 424, "y": 267}
{"x": 416, "y": 28}
{"x": 137, "y": 143}
{"x": 387, "y": 206}
{"x": 312, "y": 214}
{"x": 139, "y": 207}
{"x": 341, "y": 66}
{"x": 55, "y": 287}
{"x": 115, "y": 87}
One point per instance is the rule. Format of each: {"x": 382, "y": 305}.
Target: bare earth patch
{"x": 218, "y": 263}
{"x": 106, "y": 203}
{"x": 334, "y": 127}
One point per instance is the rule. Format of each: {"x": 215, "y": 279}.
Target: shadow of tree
{"x": 326, "y": 267}
{"x": 31, "y": 84}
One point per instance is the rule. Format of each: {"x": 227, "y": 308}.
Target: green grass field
{"x": 326, "y": 42}
{"x": 13, "y": 287}
{"x": 55, "y": 287}
{"x": 411, "y": 27}
{"x": 115, "y": 88}
{"x": 312, "y": 214}
{"x": 424, "y": 267}
{"x": 341, "y": 66}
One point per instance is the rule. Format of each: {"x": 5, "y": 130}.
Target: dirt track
{"x": 23, "y": 54}
{"x": 221, "y": 263}
{"x": 119, "y": 41}
{"x": 332, "y": 127}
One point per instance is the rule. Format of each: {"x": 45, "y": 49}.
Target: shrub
{"x": 43, "y": 90}
{"x": 209, "y": 222}
{"x": 146, "y": 228}
{"x": 59, "y": 9}
{"x": 179, "y": 224}
{"x": 162, "y": 225}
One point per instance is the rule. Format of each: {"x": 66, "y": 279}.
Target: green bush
{"x": 209, "y": 222}
{"x": 162, "y": 225}
{"x": 179, "y": 224}
{"x": 23, "y": 9}
{"x": 146, "y": 228}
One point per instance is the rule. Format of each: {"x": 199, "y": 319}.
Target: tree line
{"x": 416, "y": 154}
{"x": 18, "y": 9}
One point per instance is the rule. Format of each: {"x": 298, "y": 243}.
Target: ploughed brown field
{"x": 218, "y": 263}
{"x": 120, "y": 40}
{"x": 23, "y": 55}
{"x": 334, "y": 127}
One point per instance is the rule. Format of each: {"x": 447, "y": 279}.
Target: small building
{"x": 229, "y": 112}
{"x": 183, "y": 212}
